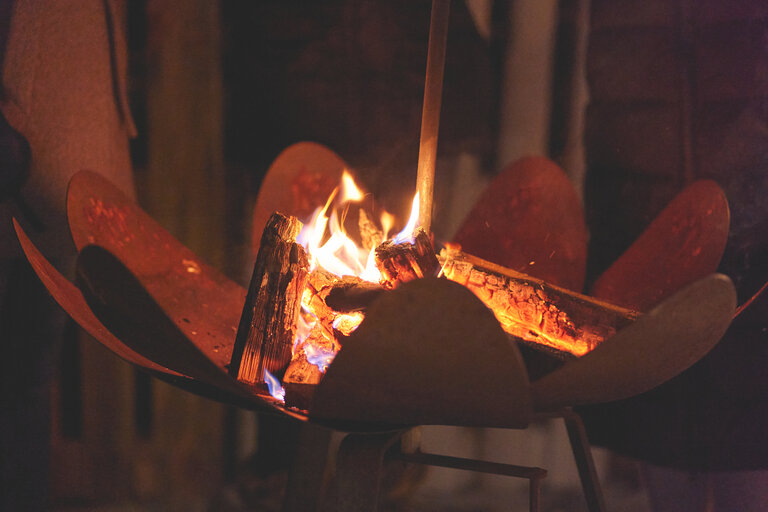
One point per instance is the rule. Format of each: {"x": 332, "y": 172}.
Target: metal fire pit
{"x": 428, "y": 352}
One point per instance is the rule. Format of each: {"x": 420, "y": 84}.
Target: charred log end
{"x": 348, "y": 296}
{"x": 301, "y": 379}
{"x": 406, "y": 261}
{"x": 299, "y": 395}
{"x": 268, "y": 323}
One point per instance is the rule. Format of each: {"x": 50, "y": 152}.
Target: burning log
{"x": 268, "y": 323}
{"x": 308, "y": 367}
{"x": 406, "y": 261}
{"x": 543, "y": 315}
{"x": 370, "y": 235}
{"x": 351, "y": 295}
{"x": 326, "y": 324}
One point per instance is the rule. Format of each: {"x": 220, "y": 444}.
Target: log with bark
{"x": 544, "y": 316}
{"x": 268, "y": 323}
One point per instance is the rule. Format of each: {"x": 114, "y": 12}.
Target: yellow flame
{"x": 387, "y": 221}
{"x": 350, "y": 192}
{"x": 406, "y": 235}
{"x": 337, "y": 253}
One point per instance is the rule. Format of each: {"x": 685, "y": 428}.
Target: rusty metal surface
{"x": 299, "y": 180}
{"x": 683, "y": 244}
{"x": 428, "y": 352}
{"x": 203, "y": 304}
{"x": 71, "y": 299}
{"x": 121, "y": 302}
{"x": 658, "y": 346}
{"x": 415, "y": 360}
{"x": 530, "y": 219}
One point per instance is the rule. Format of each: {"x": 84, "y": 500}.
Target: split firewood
{"x": 347, "y": 296}
{"x": 319, "y": 284}
{"x": 300, "y": 380}
{"x": 543, "y": 315}
{"x": 268, "y": 323}
{"x": 308, "y": 366}
{"x": 370, "y": 235}
{"x": 406, "y": 261}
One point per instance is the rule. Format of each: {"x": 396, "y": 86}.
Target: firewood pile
{"x": 297, "y": 318}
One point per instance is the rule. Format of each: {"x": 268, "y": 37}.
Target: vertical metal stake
{"x": 584, "y": 462}
{"x": 430, "y": 114}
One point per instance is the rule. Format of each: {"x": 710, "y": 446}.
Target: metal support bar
{"x": 534, "y": 475}
{"x": 584, "y": 462}
{"x": 304, "y": 492}
{"x": 358, "y": 470}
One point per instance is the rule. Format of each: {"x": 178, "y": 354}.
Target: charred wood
{"x": 545, "y": 316}
{"x": 303, "y": 374}
{"x": 370, "y": 235}
{"x": 353, "y": 295}
{"x": 406, "y": 261}
{"x": 268, "y": 323}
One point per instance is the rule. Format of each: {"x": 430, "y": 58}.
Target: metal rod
{"x": 430, "y": 114}
{"x": 582, "y": 453}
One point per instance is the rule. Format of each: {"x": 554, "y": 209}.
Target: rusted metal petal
{"x": 661, "y": 344}
{"x": 71, "y": 300}
{"x": 754, "y": 311}
{"x": 119, "y": 299}
{"x": 203, "y": 304}
{"x": 428, "y": 352}
{"x": 299, "y": 180}
{"x": 530, "y": 219}
{"x": 683, "y": 244}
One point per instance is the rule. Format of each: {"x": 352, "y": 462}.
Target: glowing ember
{"x": 275, "y": 388}
{"x": 347, "y": 323}
{"x": 304, "y": 326}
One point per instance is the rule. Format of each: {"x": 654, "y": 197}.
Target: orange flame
{"x": 329, "y": 248}
{"x": 335, "y": 251}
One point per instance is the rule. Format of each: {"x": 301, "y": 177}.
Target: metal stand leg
{"x": 305, "y": 480}
{"x": 534, "y": 494}
{"x": 358, "y": 470}
{"x": 583, "y": 455}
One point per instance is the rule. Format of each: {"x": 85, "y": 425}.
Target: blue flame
{"x": 318, "y": 356}
{"x": 275, "y": 388}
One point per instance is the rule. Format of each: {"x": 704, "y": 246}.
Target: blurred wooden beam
{"x": 185, "y": 183}
{"x": 184, "y": 187}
